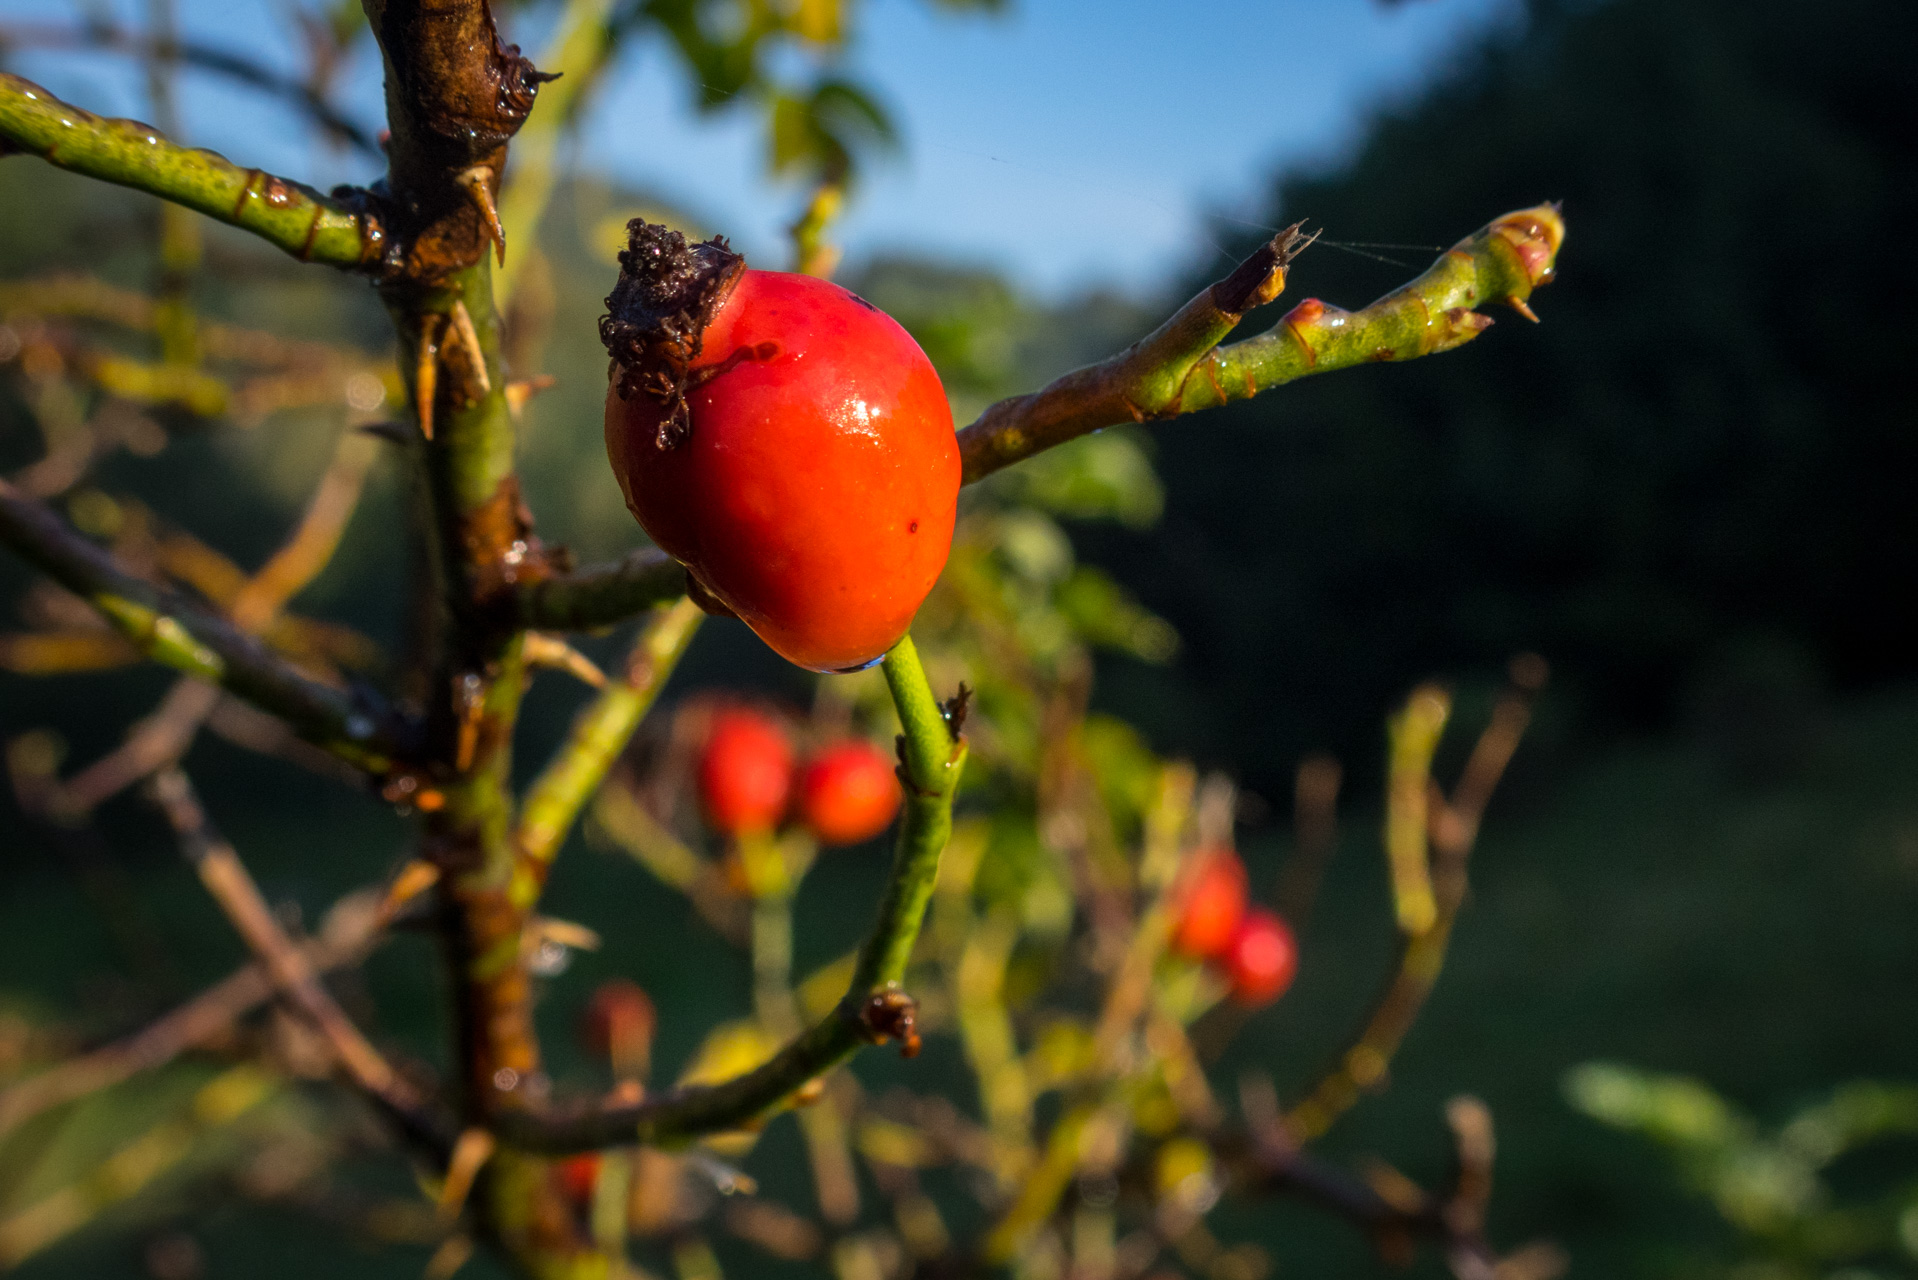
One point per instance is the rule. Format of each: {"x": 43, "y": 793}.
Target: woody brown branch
{"x": 288, "y": 965}
{"x": 166, "y": 627}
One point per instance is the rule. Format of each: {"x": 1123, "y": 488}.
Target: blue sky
{"x": 1070, "y": 142}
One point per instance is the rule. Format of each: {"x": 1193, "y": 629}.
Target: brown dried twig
{"x": 286, "y": 963}
{"x": 1441, "y": 841}
{"x": 349, "y": 927}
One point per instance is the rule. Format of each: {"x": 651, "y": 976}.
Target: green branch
{"x": 934, "y": 759}
{"x": 600, "y": 596}
{"x": 168, "y": 629}
{"x": 1179, "y": 368}
{"x": 308, "y": 225}
{"x": 598, "y": 735}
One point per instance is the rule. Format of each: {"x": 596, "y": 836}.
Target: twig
{"x": 555, "y": 654}
{"x": 812, "y": 254}
{"x": 599, "y": 733}
{"x": 624, "y": 819}
{"x": 1315, "y": 828}
{"x": 1408, "y": 813}
{"x": 165, "y": 735}
{"x": 1421, "y": 955}
{"x": 349, "y": 927}
{"x": 577, "y": 52}
{"x": 1394, "y": 1212}
{"x": 296, "y": 218}
{"x": 603, "y": 595}
{"x": 1180, "y": 369}
{"x": 288, "y": 965}
{"x": 96, "y": 34}
{"x": 132, "y": 1167}
{"x": 168, "y": 629}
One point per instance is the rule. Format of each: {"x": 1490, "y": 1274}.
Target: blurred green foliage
{"x": 1705, "y": 443}
{"x": 1773, "y": 1187}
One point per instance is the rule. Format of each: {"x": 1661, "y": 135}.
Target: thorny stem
{"x": 1180, "y": 369}
{"x": 298, "y": 219}
{"x": 934, "y": 759}
{"x": 169, "y": 630}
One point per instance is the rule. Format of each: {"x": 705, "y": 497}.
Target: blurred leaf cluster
{"x": 1777, "y": 1188}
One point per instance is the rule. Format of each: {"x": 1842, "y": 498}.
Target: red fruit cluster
{"x": 785, "y": 440}
{"x": 847, "y": 790}
{"x": 1251, "y": 945}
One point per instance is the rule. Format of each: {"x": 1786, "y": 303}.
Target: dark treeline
{"x": 1705, "y": 453}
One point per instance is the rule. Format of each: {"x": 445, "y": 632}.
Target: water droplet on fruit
{"x": 847, "y": 671}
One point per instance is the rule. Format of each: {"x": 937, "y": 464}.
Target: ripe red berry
{"x": 848, "y": 792}
{"x": 578, "y": 1177}
{"x": 745, "y": 773}
{"x": 1263, "y": 958}
{"x": 785, "y": 440}
{"x": 1211, "y": 906}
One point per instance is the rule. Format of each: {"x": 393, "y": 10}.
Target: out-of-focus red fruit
{"x": 1263, "y": 958}
{"x": 619, "y": 1021}
{"x": 578, "y": 1177}
{"x": 848, "y": 792}
{"x": 745, "y": 773}
{"x": 785, "y": 440}
{"x": 1212, "y": 905}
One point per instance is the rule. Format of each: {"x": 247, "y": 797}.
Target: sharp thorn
{"x": 542, "y": 650}
{"x": 469, "y": 339}
{"x": 520, "y": 390}
{"x": 478, "y": 182}
{"x": 473, "y": 1149}
{"x": 1519, "y": 305}
{"x": 415, "y": 878}
{"x": 426, "y": 372}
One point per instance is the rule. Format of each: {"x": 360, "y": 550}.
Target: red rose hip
{"x": 1262, "y": 959}
{"x": 1212, "y": 905}
{"x": 785, "y": 440}
{"x": 848, "y": 793}
{"x": 745, "y": 773}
